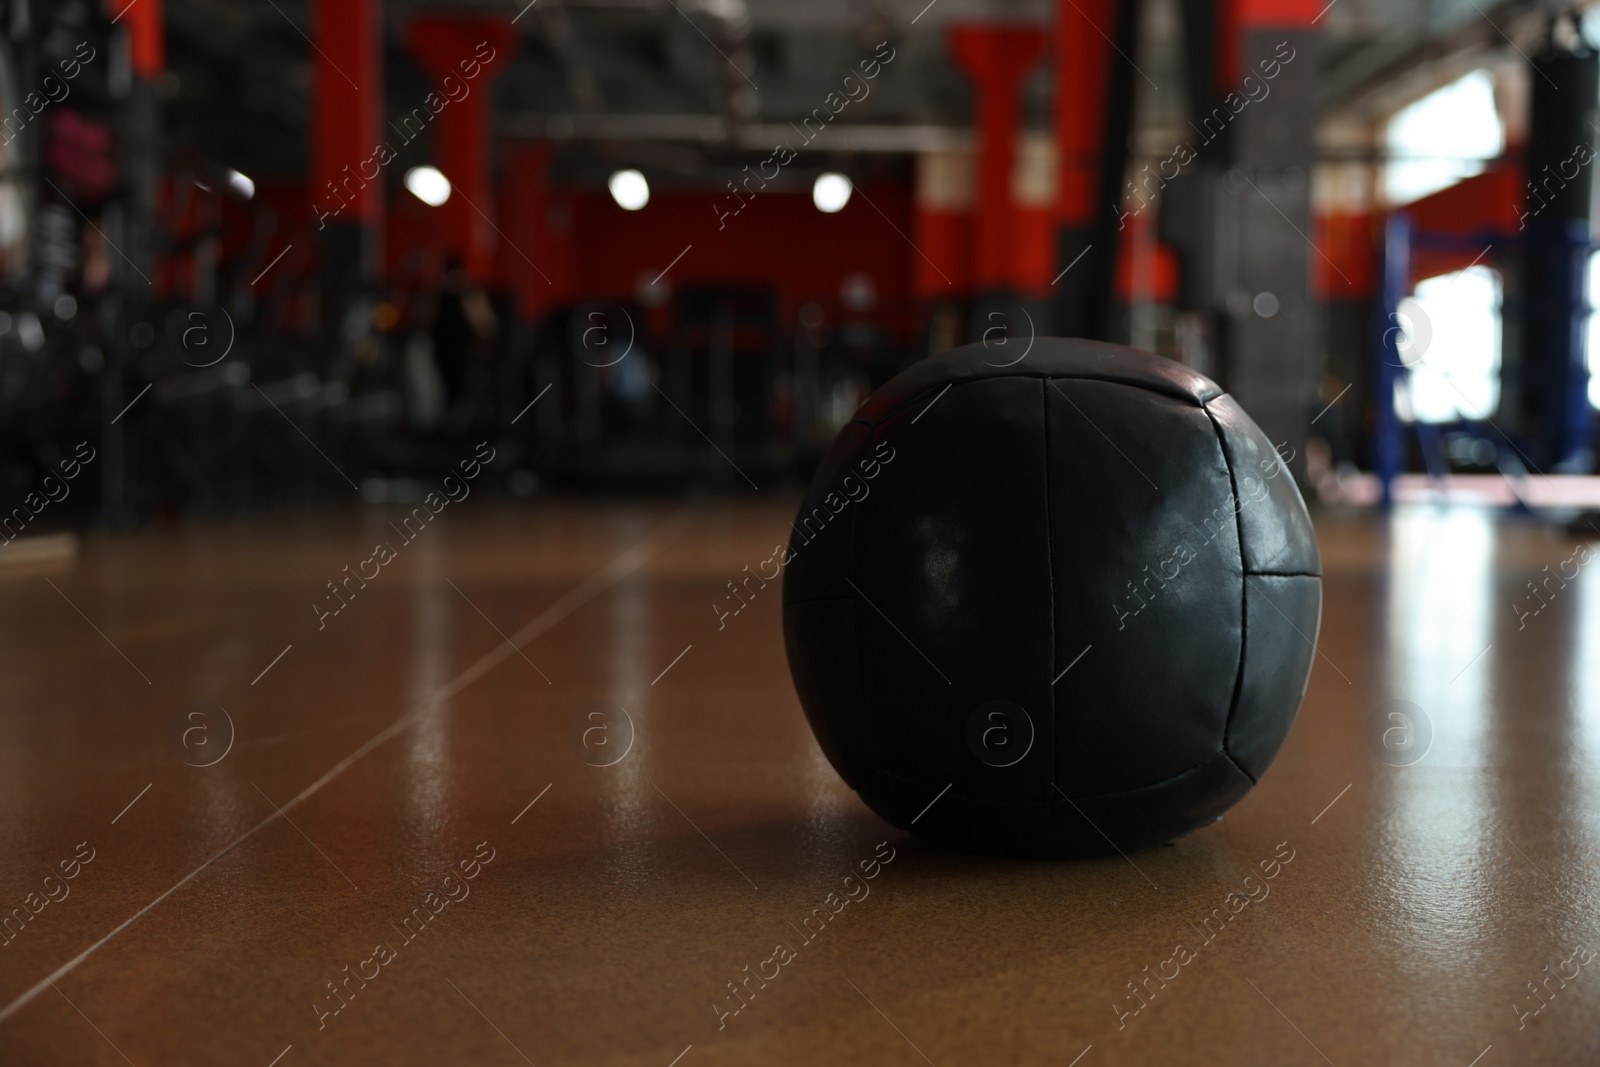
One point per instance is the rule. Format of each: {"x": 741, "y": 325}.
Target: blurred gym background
{"x": 267, "y": 252}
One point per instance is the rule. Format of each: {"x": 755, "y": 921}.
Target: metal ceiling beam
{"x": 1351, "y": 83}
{"x": 716, "y": 130}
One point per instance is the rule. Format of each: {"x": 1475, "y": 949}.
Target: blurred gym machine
{"x": 1544, "y": 423}
{"x": 1239, "y": 217}
{"x": 715, "y": 390}
{"x": 61, "y": 80}
{"x": 137, "y": 310}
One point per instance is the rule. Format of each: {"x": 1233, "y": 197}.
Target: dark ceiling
{"x": 677, "y": 83}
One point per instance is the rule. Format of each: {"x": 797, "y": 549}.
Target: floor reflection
{"x": 1430, "y": 894}
{"x": 629, "y": 797}
{"x": 427, "y": 789}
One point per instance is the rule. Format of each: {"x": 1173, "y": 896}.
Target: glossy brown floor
{"x": 374, "y": 753}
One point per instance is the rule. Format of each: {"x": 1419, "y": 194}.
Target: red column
{"x": 525, "y": 220}
{"x": 147, "y": 44}
{"x": 1227, "y": 69}
{"x": 1244, "y": 15}
{"x": 996, "y": 58}
{"x": 1082, "y": 60}
{"x": 463, "y": 53}
{"x": 346, "y": 112}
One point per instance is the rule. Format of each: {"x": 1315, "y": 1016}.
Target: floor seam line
{"x": 499, "y": 654}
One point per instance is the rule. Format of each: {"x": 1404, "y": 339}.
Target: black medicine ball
{"x": 1052, "y": 608}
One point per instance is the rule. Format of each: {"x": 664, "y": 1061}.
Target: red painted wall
{"x": 1347, "y": 268}
{"x": 779, "y": 239}
{"x": 587, "y": 247}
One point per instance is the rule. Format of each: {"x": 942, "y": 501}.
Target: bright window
{"x": 1451, "y": 343}
{"x": 1443, "y": 138}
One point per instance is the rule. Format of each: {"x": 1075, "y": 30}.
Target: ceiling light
{"x": 428, "y": 185}
{"x": 629, "y": 189}
{"x": 831, "y": 193}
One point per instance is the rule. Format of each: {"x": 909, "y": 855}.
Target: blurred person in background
{"x": 463, "y": 324}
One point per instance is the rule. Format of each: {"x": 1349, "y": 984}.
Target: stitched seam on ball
{"x": 1046, "y": 378}
{"x": 1050, "y": 579}
{"x": 1244, "y": 592}
{"x": 1169, "y": 779}
{"x": 1130, "y": 791}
